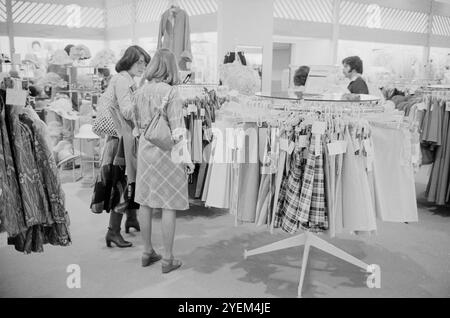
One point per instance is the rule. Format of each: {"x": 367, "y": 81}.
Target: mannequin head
{"x": 352, "y": 66}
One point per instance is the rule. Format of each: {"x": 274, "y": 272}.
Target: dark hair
{"x": 68, "y": 47}
{"x": 35, "y": 42}
{"x": 301, "y": 75}
{"x": 355, "y": 63}
{"x": 130, "y": 57}
{"x": 231, "y": 56}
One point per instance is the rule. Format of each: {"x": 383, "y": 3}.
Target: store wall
{"x": 247, "y": 23}
{"x": 281, "y": 61}
{"x": 312, "y": 52}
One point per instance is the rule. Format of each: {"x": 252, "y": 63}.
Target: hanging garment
{"x": 249, "y": 172}
{"x": 39, "y": 190}
{"x": 311, "y": 211}
{"x": 393, "y": 174}
{"x": 291, "y": 193}
{"x": 218, "y": 194}
{"x": 31, "y": 189}
{"x": 438, "y": 182}
{"x": 197, "y": 141}
{"x": 176, "y": 35}
{"x": 357, "y": 207}
{"x": 11, "y": 208}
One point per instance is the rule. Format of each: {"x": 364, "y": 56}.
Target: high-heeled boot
{"x": 132, "y": 221}
{"x": 113, "y": 235}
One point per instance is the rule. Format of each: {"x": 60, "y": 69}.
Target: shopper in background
{"x": 68, "y": 47}
{"x": 300, "y": 76}
{"x": 161, "y": 182}
{"x": 120, "y": 97}
{"x": 353, "y": 69}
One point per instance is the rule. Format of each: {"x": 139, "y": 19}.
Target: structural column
{"x": 426, "y": 51}
{"x": 10, "y": 28}
{"x": 247, "y": 23}
{"x": 335, "y": 36}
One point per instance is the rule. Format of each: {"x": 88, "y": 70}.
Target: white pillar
{"x": 10, "y": 28}
{"x": 426, "y": 51}
{"x": 335, "y": 36}
{"x": 247, "y": 23}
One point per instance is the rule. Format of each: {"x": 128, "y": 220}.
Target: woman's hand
{"x": 189, "y": 167}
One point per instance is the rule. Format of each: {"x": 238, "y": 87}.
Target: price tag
{"x": 317, "y": 148}
{"x": 447, "y": 106}
{"x": 319, "y": 127}
{"x": 16, "y": 97}
{"x": 202, "y": 112}
{"x": 337, "y": 147}
{"x": 284, "y": 144}
{"x": 291, "y": 147}
{"x": 303, "y": 141}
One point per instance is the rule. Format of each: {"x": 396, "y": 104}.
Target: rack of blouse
{"x": 32, "y": 202}
{"x": 200, "y": 103}
{"x": 330, "y": 167}
{"x": 433, "y": 119}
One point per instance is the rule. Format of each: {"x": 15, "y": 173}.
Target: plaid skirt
{"x": 311, "y": 211}
{"x": 289, "y": 223}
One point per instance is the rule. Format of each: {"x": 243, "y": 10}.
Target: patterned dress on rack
{"x": 161, "y": 182}
{"x": 312, "y": 210}
{"x": 11, "y": 210}
{"x": 293, "y": 187}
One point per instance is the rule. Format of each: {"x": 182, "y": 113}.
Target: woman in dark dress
{"x": 353, "y": 69}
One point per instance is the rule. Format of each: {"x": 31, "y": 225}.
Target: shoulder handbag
{"x": 158, "y": 131}
{"x": 103, "y": 124}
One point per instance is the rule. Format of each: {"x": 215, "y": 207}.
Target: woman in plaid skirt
{"x": 161, "y": 181}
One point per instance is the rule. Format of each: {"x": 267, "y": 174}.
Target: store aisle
{"x": 414, "y": 260}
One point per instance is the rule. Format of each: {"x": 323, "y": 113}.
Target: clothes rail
{"x": 308, "y": 239}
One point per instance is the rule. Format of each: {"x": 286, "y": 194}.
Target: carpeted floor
{"x": 414, "y": 259}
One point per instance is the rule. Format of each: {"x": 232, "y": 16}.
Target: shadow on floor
{"x": 280, "y": 271}
{"x": 441, "y": 210}
{"x": 196, "y": 211}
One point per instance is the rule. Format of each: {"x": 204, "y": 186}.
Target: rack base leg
{"x": 294, "y": 241}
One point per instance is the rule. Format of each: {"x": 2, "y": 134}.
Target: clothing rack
{"x": 309, "y": 239}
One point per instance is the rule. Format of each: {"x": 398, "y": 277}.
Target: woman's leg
{"x": 145, "y": 220}
{"x": 168, "y": 231}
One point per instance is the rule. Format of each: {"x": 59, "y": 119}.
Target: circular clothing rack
{"x": 319, "y": 98}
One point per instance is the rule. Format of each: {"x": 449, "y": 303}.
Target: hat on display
{"x": 80, "y": 52}
{"x": 60, "y": 57}
{"x": 51, "y": 79}
{"x": 86, "y": 132}
{"x": 104, "y": 58}
{"x": 63, "y": 107}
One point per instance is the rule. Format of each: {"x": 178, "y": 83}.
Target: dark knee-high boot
{"x": 132, "y": 221}
{"x": 113, "y": 235}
